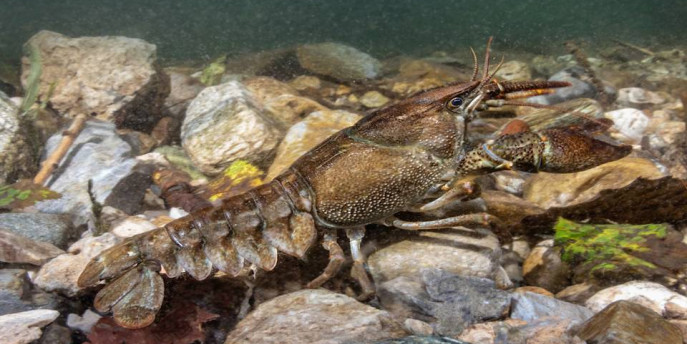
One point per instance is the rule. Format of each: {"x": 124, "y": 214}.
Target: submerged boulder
{"x": 338, "y": 61}
{"x": 114, "y": 78}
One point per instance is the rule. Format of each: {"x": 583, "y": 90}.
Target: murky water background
{"x": 206, "y": 28}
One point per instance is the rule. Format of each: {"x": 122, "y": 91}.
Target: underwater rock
{"x": 638, "y": 97}
{"x": 131, "y": 226}
{"x": 223, "y": 124}
{"x": 449, "y": 301}
{"x": 414, "y": 69}
{"x": 630, "y": 123}
{"x": 544, "y": 268}
{"x": 654, "y": 296}
{"x": 18, "y": 295}
{"x": 514, "y": 71}
{"x": 421, "y": 339}
{"x": 449, "y": 250}
{"x": 490, "y": 332}
{"x": 182, "y": 90}
{"x": 531, "y": 307}
{"x": 577, "y": 293}
{"x": 15, "y": 154}
{"x": 625, "y": 322}
{"x": 25, "y": 327}
{"x": 315, "y": 316}
{"x": 61, "y": 273}
{"x": 281, "y": 101}
{"x": 100, "y": 155}
{"x": 557, "y": 190}
{"x": 338, "y": 61}
{"x": 114, "y": 78}
{"x": 55, "y": 229}
{"x": 20, "y": 249}
{"x": 307, "y": 134}
{"x": 306, "y": 82}
{"x": 373, "y": 99}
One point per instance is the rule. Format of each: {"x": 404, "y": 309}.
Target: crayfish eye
{"x": 455, "y": 102}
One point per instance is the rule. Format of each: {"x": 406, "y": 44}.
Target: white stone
{"x": 83, "y": 323}
{"x": 633, "y": 96}
{"x": 649, "y": 294}
{"x": 25, "y": 327}
{"x": 131, "y": 226}
{"x": 631, "y": 123}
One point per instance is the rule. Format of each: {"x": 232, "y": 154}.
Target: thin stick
{"x": 54, "y": 159}
{"x": 635, "y": 47}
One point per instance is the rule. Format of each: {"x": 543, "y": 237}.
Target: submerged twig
{"x": 54, "y": 159}
{"x": 635, "y": 47}
{"x": 603, "y": 97}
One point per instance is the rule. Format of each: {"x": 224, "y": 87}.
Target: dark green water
{"x": 193, "y": 29}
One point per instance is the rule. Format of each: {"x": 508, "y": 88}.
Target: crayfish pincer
{"x": 393, "y": 160}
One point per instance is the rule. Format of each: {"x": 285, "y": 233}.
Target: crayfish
{"x": 391, "y": 161}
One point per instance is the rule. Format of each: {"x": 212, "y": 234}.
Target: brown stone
{"x": 624, "y": 322}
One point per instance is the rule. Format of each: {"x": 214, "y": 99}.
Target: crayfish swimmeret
{"x": 391, "y": 161}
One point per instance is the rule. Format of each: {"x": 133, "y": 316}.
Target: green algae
{"x": 607, "y": 249}
{"x": 212, "y": 74}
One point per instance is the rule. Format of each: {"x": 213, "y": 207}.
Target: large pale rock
{"x": 224, "y": 123}
{"x": 338, "y": 61}
{"x": 649, "y": 294}
{"x": 100, "y": 155}
{"x": 15, "y": 153}
{"x": 314, "y": 316}
{"x": 62, "y": 273}
{"x": 558, "y": 190}
{"x": 25, "y": 327}
{"x": 308, "y": 133}
{"x": 16, "y": 248}
{"x": 624, "y": 322}
{"x": 459, "y": 254}
{"x": 113, "y": 77}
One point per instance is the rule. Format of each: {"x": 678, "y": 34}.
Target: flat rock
{"x": 624, "y": 322}
{"x": 16, "y": 248}
{"x": 113, "y": 77}
{"x": 652, "y": 295}
{"x": 558, "y": 190}
{"x": 338, "y": 61}
{"x": 100, "y": 155}
{"x": 54, "y": 229}
{"x": 280, "y": 100}
{"x": 224, "y": 123}
{"x": 448, "y": 301}
{"x": 459, "y": 254}
{"x": 314, "y": 316}
{"x": 308, "y": 133}
{"x": 183, "y": 88}
{"x": 530, "y": 307}
{"x": 131, "y": 226}
{"x": 62, "y": 273}
{"x": 15, "y": 152}
{"x": 637, "y": 97}
{"x": 25, "y": 327}
{"x": 421, "y": 340}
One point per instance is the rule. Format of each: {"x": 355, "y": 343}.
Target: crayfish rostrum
{"x": 393, "y": 160}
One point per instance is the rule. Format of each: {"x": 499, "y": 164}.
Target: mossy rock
{"x": 611, "y": 254}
